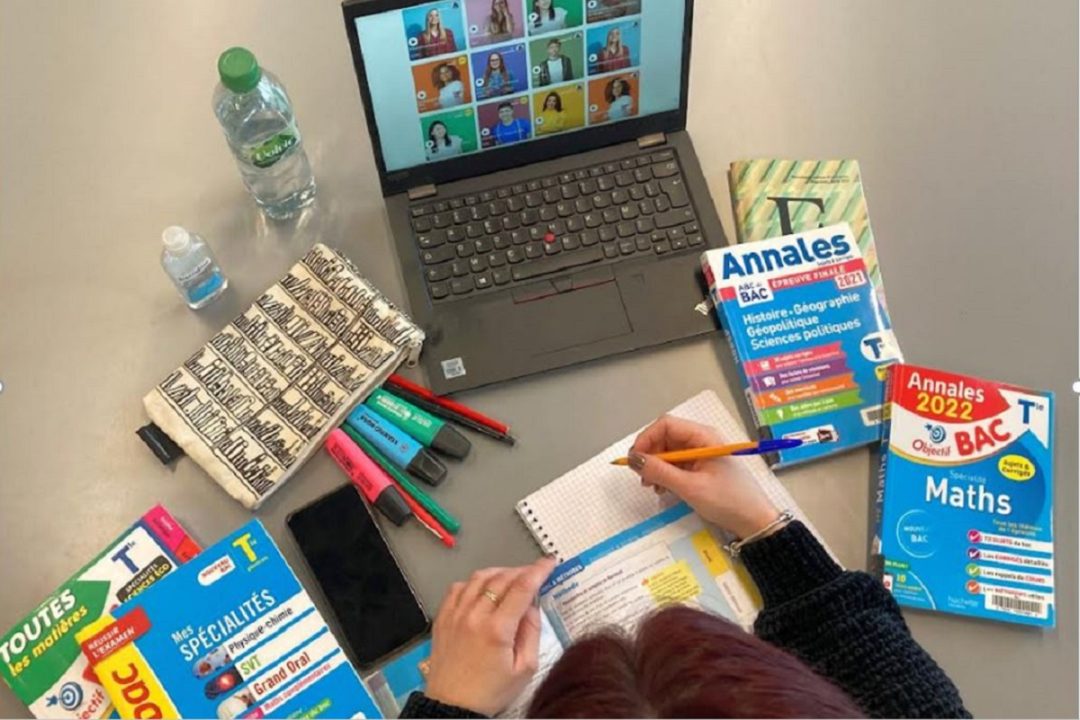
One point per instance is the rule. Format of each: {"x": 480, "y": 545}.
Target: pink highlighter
{"x": 369, "y": 478}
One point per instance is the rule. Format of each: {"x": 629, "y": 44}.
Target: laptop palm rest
{"x": 567, "y": 312}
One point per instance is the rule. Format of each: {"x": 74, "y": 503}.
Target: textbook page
{"x": 672, "y": 558}
{"x": 393, "y": 683}
{"x": 551, "y": 649}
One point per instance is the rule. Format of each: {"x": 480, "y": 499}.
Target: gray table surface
{"x": 963, "y": 115}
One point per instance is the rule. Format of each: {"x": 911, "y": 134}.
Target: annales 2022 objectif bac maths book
{"x": 966, "y": 507}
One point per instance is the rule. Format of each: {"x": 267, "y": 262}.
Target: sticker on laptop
{"x": 453, "y": 368}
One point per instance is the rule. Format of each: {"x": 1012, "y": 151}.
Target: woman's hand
{"x": 485, "y": 649}
{"x": 719, "y": 490}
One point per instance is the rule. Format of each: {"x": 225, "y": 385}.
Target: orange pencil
{"x": 707, "y": 453}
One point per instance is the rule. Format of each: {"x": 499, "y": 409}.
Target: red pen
{"x": 439, "y": 400}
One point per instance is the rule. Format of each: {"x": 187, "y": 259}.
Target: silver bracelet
{"x": 735, "y": 546}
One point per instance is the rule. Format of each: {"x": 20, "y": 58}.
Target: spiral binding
{"x": 538, "y": 533}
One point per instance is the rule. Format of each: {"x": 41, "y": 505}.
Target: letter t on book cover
{"x": 771, "y": 197}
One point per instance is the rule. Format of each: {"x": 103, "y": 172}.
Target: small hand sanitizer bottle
{"x": 191, "y": 266}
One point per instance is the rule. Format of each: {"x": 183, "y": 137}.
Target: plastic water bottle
{"x": 191, "y": 266}
{"x": 257, "y": 117}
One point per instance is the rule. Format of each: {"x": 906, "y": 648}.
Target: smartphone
{"x": 375, "y": 606}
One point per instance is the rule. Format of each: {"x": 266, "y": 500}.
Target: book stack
{"x": 811, "y": 341}
{"x": 230, "y": 634}
{"x": 42, "y": 662}
{"x": 964, "y": 503}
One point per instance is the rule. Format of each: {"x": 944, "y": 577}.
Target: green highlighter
{"x": 429, "y": 430}
{"x": 448, "y": 521}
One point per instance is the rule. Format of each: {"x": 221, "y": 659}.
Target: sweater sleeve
{"x": 847, "y": 627}
{"x": 420, "y": 705}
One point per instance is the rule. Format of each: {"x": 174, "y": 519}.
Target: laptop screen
{"x": 456, "y": 77}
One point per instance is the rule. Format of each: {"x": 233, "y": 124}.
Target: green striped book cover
{"x": 772, "y": 198}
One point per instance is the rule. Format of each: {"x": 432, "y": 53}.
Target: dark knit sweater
{"x": 844, "y": 625}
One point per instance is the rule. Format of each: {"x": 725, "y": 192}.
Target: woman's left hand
{"x": 486, "y": 638}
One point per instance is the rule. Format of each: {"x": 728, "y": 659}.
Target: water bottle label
{"x": 205, "y": 288}
{"x": 270, "y": 151}
{"x": 196, "y": 271}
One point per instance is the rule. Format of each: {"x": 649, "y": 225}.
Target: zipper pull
{"x": 414, "y": 349}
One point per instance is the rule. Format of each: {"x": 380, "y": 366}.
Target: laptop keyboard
{"x": 594, "y": 216}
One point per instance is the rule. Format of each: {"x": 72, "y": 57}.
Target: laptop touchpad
{"x": 569, "y": 319}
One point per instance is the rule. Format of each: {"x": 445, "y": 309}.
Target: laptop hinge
{"x": 424, "y": 191}
{"x": 653, "y": 140}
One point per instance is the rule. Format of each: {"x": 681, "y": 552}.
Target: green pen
{"x": 421, "y": 425}
{"x": 448, "y": 521}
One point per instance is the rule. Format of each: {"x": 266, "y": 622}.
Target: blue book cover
{"x": 40, "y": 657}
{"x": 811, "y": 340}
{"x": 230, "y": 634}
{"x": 967, "y": 516}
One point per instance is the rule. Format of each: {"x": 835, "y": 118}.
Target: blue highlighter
{"x": 395, "y": 444}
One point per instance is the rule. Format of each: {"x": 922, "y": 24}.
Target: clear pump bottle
{"x": 191, "y": 266}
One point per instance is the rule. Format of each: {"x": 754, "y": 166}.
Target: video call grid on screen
{"x": 487, "y": 74}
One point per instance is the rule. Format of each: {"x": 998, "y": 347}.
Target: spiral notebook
{"x": 597, "y": 500}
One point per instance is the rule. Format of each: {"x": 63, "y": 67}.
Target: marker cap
{"x": 393, "y": 506}
{"x": 450, "y": 442}
{"x": 428, "y": 468}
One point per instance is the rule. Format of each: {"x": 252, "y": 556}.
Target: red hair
{"x": 685, "y": 663}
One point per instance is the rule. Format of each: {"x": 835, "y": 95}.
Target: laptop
{"x": 545, "y": 200}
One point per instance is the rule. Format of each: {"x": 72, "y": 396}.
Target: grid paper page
{"x": 597, "y": 500}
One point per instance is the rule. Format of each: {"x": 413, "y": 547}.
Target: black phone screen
{"x": 374, "y": 604}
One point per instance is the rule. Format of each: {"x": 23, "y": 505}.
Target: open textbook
{"x": 624, "y": 553}
{"x": 673, "y": 557}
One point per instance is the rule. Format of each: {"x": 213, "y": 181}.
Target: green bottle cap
{"x": 239, "y": 70}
